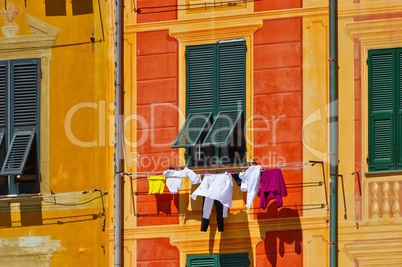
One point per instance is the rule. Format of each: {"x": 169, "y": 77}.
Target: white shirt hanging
{"x": 215, "y": 187}
{"x": 250, "y": 183}
{"x": 174, "y": 178}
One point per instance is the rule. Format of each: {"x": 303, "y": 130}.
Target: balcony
{"x": 383, "y": 198}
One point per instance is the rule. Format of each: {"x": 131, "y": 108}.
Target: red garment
{"x": 272, "y": 187}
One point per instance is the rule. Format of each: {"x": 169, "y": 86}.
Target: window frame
{"x": 209, "y": 90}
{"x": 36, "y": 45}
{"x": 218, "y": 260}
{"x": 21, "y": 118}
{"x": 384, "y": 150}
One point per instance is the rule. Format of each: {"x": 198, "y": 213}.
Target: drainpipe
{"x": 334, "y": 131}
{"x": 119, "y": 133}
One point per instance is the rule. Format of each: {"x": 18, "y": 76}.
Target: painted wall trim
{"x": 27, "y": 251}
{"x": 43, "y": 37}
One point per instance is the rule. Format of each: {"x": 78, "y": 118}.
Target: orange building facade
{"x": 264, "y": 65}
{"x": 170, "y": 223}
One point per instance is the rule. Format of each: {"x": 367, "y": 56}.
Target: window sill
{"x": 19, "y": 197}
{"x": 382, "y": 173}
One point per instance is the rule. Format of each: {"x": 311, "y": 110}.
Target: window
{"x": 218, "y": 260}
{"x": 213, "y": 132}
{"x": 19, "y": 126}
{"x": 385, "y": 109}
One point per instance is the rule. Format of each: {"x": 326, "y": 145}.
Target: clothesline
{"x": 254, "y": 178}
{"x": 231, "y": 169}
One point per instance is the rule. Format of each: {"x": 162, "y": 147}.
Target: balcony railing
{"x": 384, "y": 198}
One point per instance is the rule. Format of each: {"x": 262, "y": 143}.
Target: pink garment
{"x": 272, "y": 187}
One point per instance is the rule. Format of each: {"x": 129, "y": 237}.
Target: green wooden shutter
{"x": 218, "y": 260}
{"x": 234, "y": 260}
{"x": 192, "y": 129}
{"x": 200, "y": 94}
{"x": 216, "y": 76}
{"x": 18, "y": 152}
{"x": 25, "y": 95}
{"x": 200, "y": 78}
{"x": 381, "y": 109}
{"x": 232, "y": 75}
{"x": 222, "y": 128}
{"x": 206, "y": 260}
{"x": 399, "y": 106}
{"x": 215, "y": 83}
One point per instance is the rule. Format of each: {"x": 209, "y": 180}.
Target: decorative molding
{"x": 204, "y": 31}
{"x": 237, "y": 236}
{"x": 383, "y": 200}
{"x": 344, "y": 11}
{"x": 39, "y": 27}
{"x": 180, "y": 233}
{"x": 28, "y": 251}
{"x": 378, "y": 252}
{"x": 376, "y": 31}
{"x": 43, "y": 37}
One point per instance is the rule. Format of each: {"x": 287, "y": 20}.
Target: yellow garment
{"x": 156, "y": 184}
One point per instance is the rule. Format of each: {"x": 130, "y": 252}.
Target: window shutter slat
{"x": 218, "y": 260}
{"x": 18, "y": 152}
{"x": 382, "y": 100}
{"x": 202, "y": 262}
{"x": 399, "y": 108}
{"x": 3, "y": 85}
{"x": 216, "y": 83}
{"x": 234, "y": 260}
{"x": 25, "y": 78}
{"x": 232, "y": 73}
{"x": 192, "y": 129}
{"x": 200, "y": 78}
{"x": 2, "y": 147}
{"x": 382, "y": 82}
{"x": 383, "y": 142}
{"x": 205, "y": 260}
{"x": 222, "y": 128}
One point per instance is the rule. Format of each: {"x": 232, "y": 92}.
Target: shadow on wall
{"x": 274, "y": 241}
{"x": 30, "y": 213}
{"x": 230, "y": 237}
{"x": 164, "y": 203}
